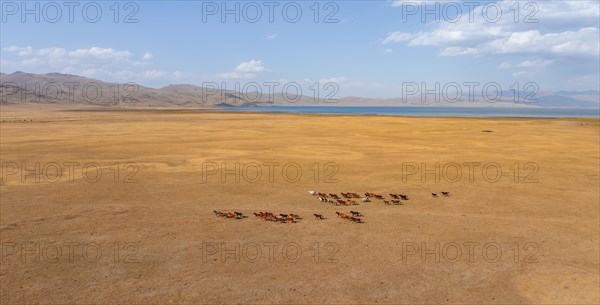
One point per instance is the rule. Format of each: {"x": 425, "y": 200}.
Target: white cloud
{"x": 60, "y": 58}
{"x": 98, "y": 62}
{"x": 21, "y": 51}
{"x": 397, "y": 37}
{"x": 337, "y": 79}
{"x": 397, "y": 3}
{"x": 386, "y": 51}
{"x": 147, "y": 56}
{"x": 571, "y": 29}
{"x": 569, "y": 43}
{"x": 522, "y": 74}
{"x": 456, "y": 51}
{"x": 272, "y": 36}
{"x": 100, "y": 53}
{"x": 253, "y": 66}
{"x": 535, "y": 63}
{"x": 31, "y": 62}
{"x": 245, "y": 70}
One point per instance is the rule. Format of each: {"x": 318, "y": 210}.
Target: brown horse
{"x": 357, "y": 220}
{"x": 342, "y": 215}
{"x": 357, "y": 214}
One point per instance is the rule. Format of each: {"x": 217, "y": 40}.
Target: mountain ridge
{"x": 59, "y": 88}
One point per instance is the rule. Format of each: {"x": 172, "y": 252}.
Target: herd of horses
{"x": 356, "y": 216}
{"x": 396, "y": 199}
{"x": 235, "y": 215}
{"x": 288, "y": 218}
{"x": 281, "y": 218}
{"x": 348, "y": 198}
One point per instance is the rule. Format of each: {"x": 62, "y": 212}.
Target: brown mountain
{"x": 21, "y": 87}
{"x": 65, "y": 89}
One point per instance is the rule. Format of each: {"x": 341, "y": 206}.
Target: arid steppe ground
{"x": 144, "y": 232}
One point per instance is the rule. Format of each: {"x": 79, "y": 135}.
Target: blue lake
{"x": 433, "y": 111}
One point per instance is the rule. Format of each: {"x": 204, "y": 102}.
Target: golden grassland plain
{"x": 529, "y": 239}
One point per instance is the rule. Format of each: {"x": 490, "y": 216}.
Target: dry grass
{"x": 167, "y": 215}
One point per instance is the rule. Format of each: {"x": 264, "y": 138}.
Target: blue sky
{"x": 367, "y": 48}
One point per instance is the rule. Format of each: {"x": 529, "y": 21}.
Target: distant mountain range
{"x": 21, "y": 87}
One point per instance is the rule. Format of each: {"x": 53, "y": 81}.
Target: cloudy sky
{"x": 367, "y": 48}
